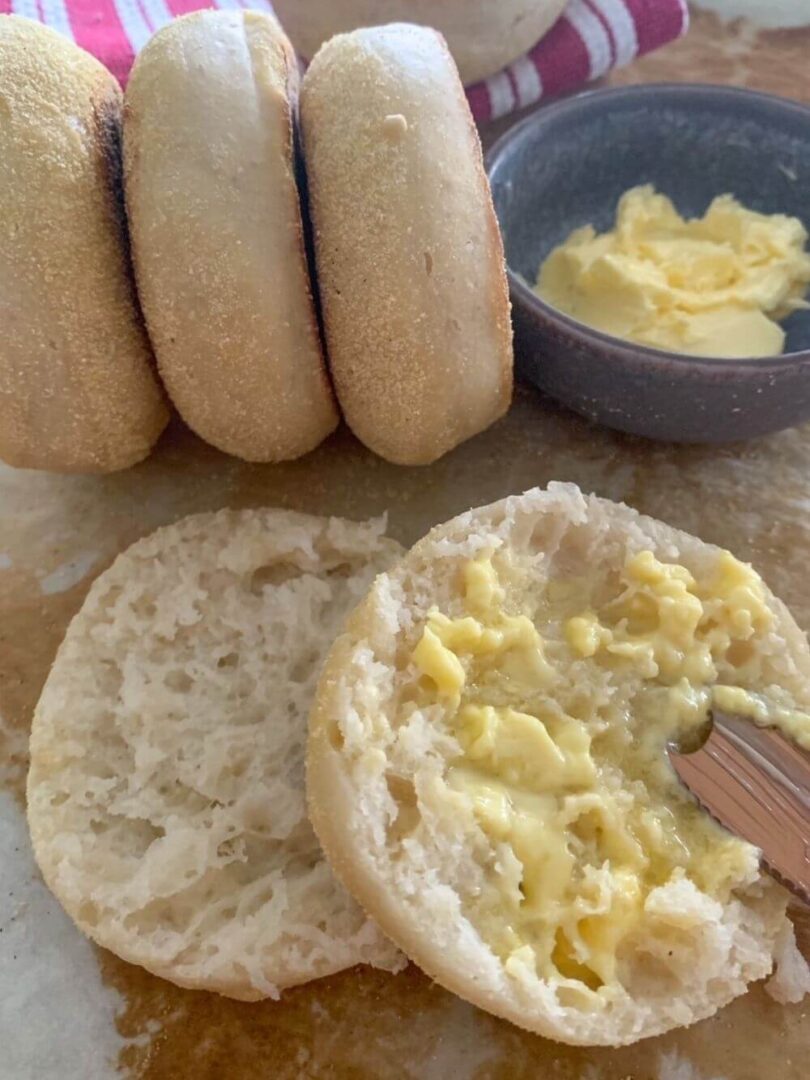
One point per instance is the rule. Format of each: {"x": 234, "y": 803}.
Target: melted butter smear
{"x": 584, "y": 811}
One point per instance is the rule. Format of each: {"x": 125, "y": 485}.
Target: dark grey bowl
{"x": 568, "y": 164}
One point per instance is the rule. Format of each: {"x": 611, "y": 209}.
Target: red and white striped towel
{"x": 589, "y": 38}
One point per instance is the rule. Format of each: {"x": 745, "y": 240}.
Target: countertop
{"x": 72, "y": 1010}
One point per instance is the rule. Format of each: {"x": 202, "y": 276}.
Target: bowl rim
{"x": 630, "y": 350}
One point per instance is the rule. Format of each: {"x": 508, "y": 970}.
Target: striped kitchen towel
{"x": 589, "y": 38}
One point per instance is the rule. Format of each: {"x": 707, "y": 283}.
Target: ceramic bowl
{"x": 567, "y": 165}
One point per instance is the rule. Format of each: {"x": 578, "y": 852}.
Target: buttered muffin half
{"x": 488, "y": 773}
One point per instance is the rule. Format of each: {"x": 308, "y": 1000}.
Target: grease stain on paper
{"x": 67, "y": 575}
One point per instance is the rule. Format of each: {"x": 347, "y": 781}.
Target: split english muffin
{"x": 166, "y": 789}
{"x": 77, "y": 389}
{"x": 409, "y": 256}
{"x": 217, "y": 236}
{"x": 487, "y": 767}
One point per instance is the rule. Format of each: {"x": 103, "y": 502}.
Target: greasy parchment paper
{"x": 70, "y": 1010}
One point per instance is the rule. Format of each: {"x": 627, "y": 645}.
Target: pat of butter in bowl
{"x": 712, "y": 286}
{"x": 583, "y": 808}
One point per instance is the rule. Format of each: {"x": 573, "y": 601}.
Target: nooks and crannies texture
{"x": 166, "y": 791}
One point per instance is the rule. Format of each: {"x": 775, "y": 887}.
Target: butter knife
{"x": 756, "y": 783}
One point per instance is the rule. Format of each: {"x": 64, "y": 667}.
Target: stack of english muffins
{"x": 204, "y": 285}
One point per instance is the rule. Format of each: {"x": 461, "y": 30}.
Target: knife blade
{"x": 756, "y": 783}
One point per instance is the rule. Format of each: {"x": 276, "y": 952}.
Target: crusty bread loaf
{"x": 217, "y": 236}
{"x": 483, "y": 36}
{"x": 412, "y": 850}
{"x": 77, "y": 390}
{"x": 409, "y": 255}
{"x": 166, "y": 790}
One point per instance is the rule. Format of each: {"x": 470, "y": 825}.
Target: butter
{"x": 440, "y": 663}
{"x": 662, "y": 620}
{"x": 587, "y": 818}
{"x": 792, "y": 723}
{"x": 481, "y": 586}
{"x": 713, "y": 286}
